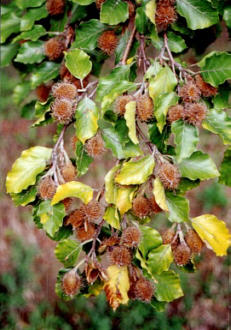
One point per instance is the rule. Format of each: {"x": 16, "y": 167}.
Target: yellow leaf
{"x": 110, "y": 187}
{"x": 117, "y": 286}
{"x": 150, "y": 10}
{"x": 213, "y": 232}
{"x": 73, "y": 189}
{"x": 124, "y": 198}
{"x": 159, "y": 194}
{"x": 44, "y": 218}
{"x": 130, "y": 117}
{"x": 112, "y": 217}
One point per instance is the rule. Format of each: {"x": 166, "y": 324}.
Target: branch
{"x": 128, "y": 47}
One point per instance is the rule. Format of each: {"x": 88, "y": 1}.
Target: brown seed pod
{"x": 47, "y": 188}
{"x": 92, "y": 272}
{"x": 141, "y": 206}
{"x": 175, "y": 113}
{"x": 189, "y": 92}
{"x": 121, "y": 102}
{"x": 66, "y": 90}
{"x": 193, "y": 241}
{"x": 181, "y": 254}
{"x": 43, "y": 92}
{"x": 168, "y": 235}
{"x": 68, "y": 172}
{"x": 153, "y": 205}
{"x": 95, "y": 146}
{"x": 121, "y": 256}
{"x": 99, "y": 3}
{"x": 94, "y": 211}
{"x": 62, "y": 111}
{"x": 108, "y": 242}
{"x": 194, "y": 113}
{"x": 169, "y": 175}
{"x": 206, "y": 89}
{"x": 131, "y": 237}
{"x": 55, "y": 7}
{"x": 143, "y": 290}
{"x": 54, "y": 48}
{"x": 107, "y": 42}
{"x": 144, "y": 107}
{"x": 71, "y": 283}
{"x": 77, "y": 218}
{"x": 67, "y": 203}
{"x": 165, "y": 15}
{"x": 85, "y": 232}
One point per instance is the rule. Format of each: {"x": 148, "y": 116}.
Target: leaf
{"x": 78, "y": 63}
{"x": 159, "y": 139}
{"x": 25, "y": 169}
{"x": 121, "y": 46}
{"x": 186, "y": 184}
{"x": 225, "y": 169}
{"x": 198, "y": 14}
{"x": 222, "y": 99}
{"x": 34, "y": 34}
{"x": 198, "y": 166}
{"x": 178, "y": 207}
{"x": 218, "y": 122}
{"x": 31, "y": 52}
{"x": 186, "y": 138}
{"x": 87, "y": 34}
{"x": 124, "y": 197}
{"x": 8, "y": 52}
{"x": 168, "y": 287}
{"x": 216, "y": 68}
{"x": 25, "y": 197}
{"x": 23, "y": 4}
{"x": 150, "y": 10}
{"x": 159, "y": 194}
{"x": 44, "y": 72}
{"x": 150, "y": 239}
{"x": 73, "y": 189}
{"x": 111, "y": 216}
{"x": 175, "y": 42}
{"x": 227, "y": 16}
{"x": 160, "y": 259}
{"x": 86, "y": 116}
{"x": 83, "y": 2}
{"x": 163, "y": 103}
{"x": 114, "y": 12}
{"x": 51, "y": 217}
{"x": 130, "y": 117}
{"x": 141, "y": 20}
{"x": 117, "y": 286}
{"x": 136, "y": 171}
{"x": 10, "y": 23}
{"x": 213, "y": 232}
{"x": 32, "y": 15}
{"x": 67, "y": 252}
{"x": 110, "y": 187}
{"x": 83, "y": 160}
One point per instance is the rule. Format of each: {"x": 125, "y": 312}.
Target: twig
{"x": 128, "y": 47}
{"x": 169, "y": 53}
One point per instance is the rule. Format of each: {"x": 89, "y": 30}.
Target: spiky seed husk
{"x": 169, "y": 175}
{"x": 55, "y": 7}
{"x": 77, "y": 218}
{"x": 143, "y": 290}
{"x": 189, "y": 92}
{"x": 107, "y": 42}
{"x": 95, "y": 146}
{"x": 94, "y": 211}
{"x": 54, "y": 48}
{"x": 99, "y": 3}
{"x": 68, "y": 172}
{"x": 206, "y": 89}
{"x": 71, "y": 283}
{"x": 131, "y": 237}
{"x": 121, "y": 256}
{"x": 168, "y": 235}
{"x": 43, "y": 92}
{"x": 64, "y": 89}
{"x": 165, "y": 15}
{"x": 47, "y": 188}
{"x": 141, "y": 206}
{"x": 62, "y": 110}
{"x": 181, "y": 254}
{"x": 193, "y": 241}
{"x": 67, "y": 203}
{"x": 108, "y": 242}
{"x": 85, "y": 232}
{"x": 144, "y": 107}
{"x": 194, "y": 113}
{"x": 153, "y": 205}
{"x": 175, "y": 113}
{"x": 121, "y": 102}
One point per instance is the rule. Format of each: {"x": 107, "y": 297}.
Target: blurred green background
{"x": 28, "y": 266}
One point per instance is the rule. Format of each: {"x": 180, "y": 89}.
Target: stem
{"x": 92, "y": 251}
{"x": 128, "y": 47}
{"x": 169, "y": 53}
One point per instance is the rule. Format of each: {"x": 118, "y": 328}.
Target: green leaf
{"x": 25, "y": 197}
{"x": 150, "y": 10}
{"x": 178, "y": 207}
{"x": 51, "y": 217}
{"x": 163, "y": 103}
{"x": 160, "y": 259}
{"x": 34, "y": 34}
{"x": 150, "y": 239}
{"x": 218, "y": 122}
{"x": 186, "y": 184}
{"x": 153, "y": 69}
{"x": 67, "y": 252}
{"x": 114, "y": 12}
{"x": 111, "y": 216}
{"x": 31, "y": 52}
{"x": 159, "y": 139}
{"x": 198, "y": 14}
{"x": 10, "y": 23}
{"x": 222, "y": 99}
{"x": 44, "y": 72}
{"x": 168, "y": 287}
{"x": 8, "y": 52}
{"x": 225, "y": 169}
{"x": 130, "y": 117}
{"x": 186, "y": 139}
{"x": 25, "y": 169}
{"x": 216, "y": 68}
{"x": 227, "y": 16}
{"x": 198, "y": 166}
{"x": 136, "y": 171}
{"x": 73, "y": 189}
{"x": 32, "y": 15}
{"x": 78, "y": 63}
{"x": 87, "y": 34}
{"x": 121, "y": 46}
{"x": 83, "y": 2}
{"x": 21, "y": 92}
{"x": 23, "y": 4}
{"x": 110, "y": 187}
{"x": 86, "y": 116}
{"x": 141, "y": 20}
{"x": 83, "y": 160}
{"x": 175, "y": 42}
